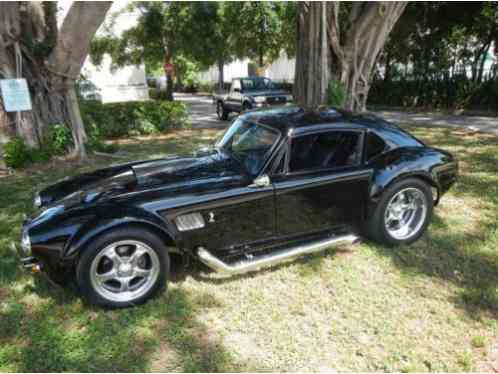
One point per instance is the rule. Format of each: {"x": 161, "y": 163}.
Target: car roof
{"x": 293, "y": 120}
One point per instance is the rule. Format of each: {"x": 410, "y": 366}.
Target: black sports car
{"x": 279, "y": 183}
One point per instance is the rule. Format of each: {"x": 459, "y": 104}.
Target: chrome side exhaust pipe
{"x": 272, "y": 258}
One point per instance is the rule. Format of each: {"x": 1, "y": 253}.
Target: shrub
{"x": 207, "y": 87}
{"x": 59, "y": 140}
{"x": 336, "y": 94}
{"x": 157, "y": 94}
{"x": 16, "y": 153}
{"x": 95, "y": 144}
{"x": 132, "y": 118}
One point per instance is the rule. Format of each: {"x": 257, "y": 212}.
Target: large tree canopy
{"x": 340, "y": 41}
{"x": 169, "y": 32}
{"x": 32, "y": 47}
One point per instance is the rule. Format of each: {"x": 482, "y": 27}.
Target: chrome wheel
{"x": 405, "y": 213}
{"x": 124, "y": 271}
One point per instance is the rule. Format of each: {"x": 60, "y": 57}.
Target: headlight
{"x": 37, "y": 201}
{"x": 259, "y": 99}
{"x": 26, "y": 243}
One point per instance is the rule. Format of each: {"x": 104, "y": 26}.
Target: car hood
{"x": 266, "y": 93}
{"x": 178, "y": 170}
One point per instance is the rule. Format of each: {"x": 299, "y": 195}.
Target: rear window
{"x": 375, "y": 145}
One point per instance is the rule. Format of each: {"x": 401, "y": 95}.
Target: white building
{"x": 281, "y": 70}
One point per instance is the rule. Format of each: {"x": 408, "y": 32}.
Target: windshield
{"x": 256, "y": 84}
{"x": 250, "y": 143}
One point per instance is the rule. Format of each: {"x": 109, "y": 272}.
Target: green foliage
{"x": 157, "y": 94}
{"x": 16, "y": 153}
{"x": 336, "y": 94}
{"x": 456, "y": 92}
{"x": 257, "y": 29}
{"x": 173, "y": 30}
{"x": 438, "y": 55}
{"x": 206, "y": 87}
{"x": 59, "y": 139}
{"x": 95, "y": 144}
{"x": 132, "y": 118}
{"x": 56, "y": 143}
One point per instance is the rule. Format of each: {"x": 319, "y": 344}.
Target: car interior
{"x": 324, "y": 151}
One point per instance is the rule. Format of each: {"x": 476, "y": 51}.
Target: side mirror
{"x": 261, "y": 181}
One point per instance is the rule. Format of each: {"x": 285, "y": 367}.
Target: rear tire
{"x": 221, "y": 112}
{"x": 402, "y": 214}
{"x": 122, "y": 268}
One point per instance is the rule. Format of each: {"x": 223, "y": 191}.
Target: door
{"x": 233, "y": 218}
{"x": 324, "y": 185}
{"x": 234, "y": 98}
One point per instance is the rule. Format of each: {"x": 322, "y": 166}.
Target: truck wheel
{"x": 221, "y": 111}
{"x": 246, "y": 106}
{"x": 402, "y": 214}
{"x": 122, "y": 268}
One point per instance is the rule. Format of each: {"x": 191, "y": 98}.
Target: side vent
{"x": 189, "y": 222}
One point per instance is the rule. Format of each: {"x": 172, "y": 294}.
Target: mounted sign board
{"x": 15, "y": 95}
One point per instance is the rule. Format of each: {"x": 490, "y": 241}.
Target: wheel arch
{"x": 381, "y": 183}
{"x": 87, "y": 233}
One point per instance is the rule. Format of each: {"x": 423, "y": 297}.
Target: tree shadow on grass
{"x": 37, "y": 335}
{"x": 465, "y": 256}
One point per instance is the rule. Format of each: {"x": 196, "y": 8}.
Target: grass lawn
{"x": 432, "y": 306}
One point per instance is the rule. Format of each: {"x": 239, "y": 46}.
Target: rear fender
{"x": 402, "y": 163}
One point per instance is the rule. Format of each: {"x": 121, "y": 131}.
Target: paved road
{"x": 203, "y": 115}
{"x": 202, "y": 111}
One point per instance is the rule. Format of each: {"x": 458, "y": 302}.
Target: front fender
{"x": 112, "y": 216}
{"x": 59, "y": 240}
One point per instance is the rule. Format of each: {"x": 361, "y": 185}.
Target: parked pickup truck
{"x": 248, "y": 93}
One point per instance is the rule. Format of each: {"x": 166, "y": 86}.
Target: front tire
{"x": 122, "y": 268}
{"x": 402, "y": 214}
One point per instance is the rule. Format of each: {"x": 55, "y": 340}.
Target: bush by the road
{"x": 132, "y": 118}
{"x": 57, "y": 141}
{"x": 456, "y": 92}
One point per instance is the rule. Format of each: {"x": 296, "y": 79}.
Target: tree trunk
{"x": 221, "y": 75}
{"x": 354, "y": 49}
{"x": 482, "y": 62}
{"x": 312, "y": 58}
{"x": 169, "y": 78}
{"x": 52, "y": 68}
{"x": 387, "y": 68}
{"x": 68, "y": 57}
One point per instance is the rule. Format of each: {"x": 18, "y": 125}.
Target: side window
{"x": 375, "y": 145}
{"x": 327, "y": 150}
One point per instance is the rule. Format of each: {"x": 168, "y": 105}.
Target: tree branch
{"x": 73, "y": 44}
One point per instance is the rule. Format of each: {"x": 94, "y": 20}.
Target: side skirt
{"x": 258, "y": 261}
